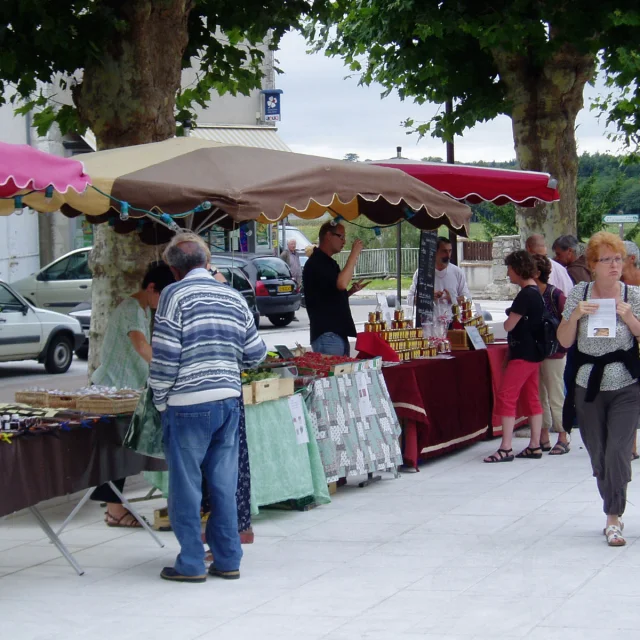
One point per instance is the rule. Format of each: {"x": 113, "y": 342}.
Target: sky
{"x": 326, "y": 113}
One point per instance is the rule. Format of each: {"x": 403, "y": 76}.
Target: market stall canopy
{"x": 205, "y": 183}
{"x": 481, "y": 184}
{"x": 25, "y": 170}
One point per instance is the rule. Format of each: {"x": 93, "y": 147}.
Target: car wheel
{"x": 83, "y": 352}
{"x": 59, "y": 355}
{"x": 282, "y": 320}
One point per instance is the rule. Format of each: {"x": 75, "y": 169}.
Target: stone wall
{"x": 501, "y": 288}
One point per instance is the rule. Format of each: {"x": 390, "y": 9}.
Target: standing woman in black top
{"x": 520, "y": 379}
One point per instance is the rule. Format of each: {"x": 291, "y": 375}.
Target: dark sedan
{"x": 277, "y": 294}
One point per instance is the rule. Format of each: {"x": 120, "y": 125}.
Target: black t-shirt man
{"x": 530, "y": 305}
{"x": 327, "y": 306}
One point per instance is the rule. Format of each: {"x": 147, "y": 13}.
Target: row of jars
{"x": 400, "y": 329}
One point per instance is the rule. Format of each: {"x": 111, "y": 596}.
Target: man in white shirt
{"x": 450, "y": 282}
{"x": 559, "y": 276}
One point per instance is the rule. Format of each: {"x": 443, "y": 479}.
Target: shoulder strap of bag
{"x": 626, "y": 292}
{"x": 586, "y": 292}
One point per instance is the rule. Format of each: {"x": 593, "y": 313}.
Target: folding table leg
{"x": 370, "y": 480}
{"x": 77, "y": 508}
{"x": 44, "y": 525}
{"x": 136, "y": 515}
{"x": 152, "y": 495}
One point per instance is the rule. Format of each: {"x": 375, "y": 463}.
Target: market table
{"x": 284, "y": 465}
{"x": 445, "y": 404}
{"x": 41, "y": 466}
{"x": 355, "y": 424}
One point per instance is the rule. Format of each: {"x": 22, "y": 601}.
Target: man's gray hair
{"x": 566, "y": 242}
{"x": 187, "y": 251}
{"x": 632, "y": 250}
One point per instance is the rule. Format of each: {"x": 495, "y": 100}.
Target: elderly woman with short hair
{"x": 605, "y": 388}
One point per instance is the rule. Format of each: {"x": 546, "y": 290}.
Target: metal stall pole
{"x": 453, "y": 238}
{"x": 399, "y": 265}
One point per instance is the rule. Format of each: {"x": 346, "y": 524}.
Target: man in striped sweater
{"x": 203, "y": 335}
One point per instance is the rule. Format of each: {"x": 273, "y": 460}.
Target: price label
{"x": 297, "y": 415}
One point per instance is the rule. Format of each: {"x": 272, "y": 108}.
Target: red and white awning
{"x": 477, "y": 184}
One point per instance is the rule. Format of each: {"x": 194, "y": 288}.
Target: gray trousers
{"x": 608, "y": 428}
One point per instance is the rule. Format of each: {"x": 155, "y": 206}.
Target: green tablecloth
{"x": 355, "y": 436}
{"x": 282, "y": 469}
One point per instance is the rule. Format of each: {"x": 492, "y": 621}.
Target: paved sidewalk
{"x": 460, "y": 550}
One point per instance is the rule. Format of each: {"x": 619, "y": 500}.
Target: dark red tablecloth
{"x": 444, "y": 404}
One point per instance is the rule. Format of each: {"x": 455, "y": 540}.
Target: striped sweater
{"x": 203, "y": 335}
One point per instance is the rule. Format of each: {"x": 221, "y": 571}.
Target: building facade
{"x": 30, "y": 240}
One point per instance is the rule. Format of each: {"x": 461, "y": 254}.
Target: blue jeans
{"x": 202, "y": 440}
{"x": 331, "y": 344}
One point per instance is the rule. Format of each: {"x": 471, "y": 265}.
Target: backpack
{"x": 546, "y": 338}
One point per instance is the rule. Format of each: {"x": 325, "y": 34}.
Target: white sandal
{"x": 614, "y": 536}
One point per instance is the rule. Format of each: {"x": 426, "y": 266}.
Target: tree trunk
{"x": 127, "y": 97}
{"x": 545, "y": 101}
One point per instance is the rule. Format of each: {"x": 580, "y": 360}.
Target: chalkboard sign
{"x": 426, "y": 274}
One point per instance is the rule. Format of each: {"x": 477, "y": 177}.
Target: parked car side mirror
{"x": 42, "y": 276}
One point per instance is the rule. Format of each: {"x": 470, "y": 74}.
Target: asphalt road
{"x": 15, "y": 376}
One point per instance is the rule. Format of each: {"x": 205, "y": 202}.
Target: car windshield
{"x": 272, "y": 268}
{"x": 8, "y": 300}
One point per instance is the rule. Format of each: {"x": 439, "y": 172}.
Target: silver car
{"x": 28, "y": 333}
{"x": 60, "y": 286}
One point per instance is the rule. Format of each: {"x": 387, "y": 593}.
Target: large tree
{"x": 528, "y": 59}
{"x": 122, "y": 60}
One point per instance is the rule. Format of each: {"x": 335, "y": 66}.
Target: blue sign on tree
{"x": 271, "y": 104}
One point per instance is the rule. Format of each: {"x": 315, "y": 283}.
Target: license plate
{"x": 86, "y": 332}
{"x": 287, "y": 288}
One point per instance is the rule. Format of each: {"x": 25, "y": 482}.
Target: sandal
{"x": 112, "y": 521}
{"x": 635, "y": 456}
{"x": 501, "y": 455}
{"x": 559, "y": 449}
{"x": 614, "y": 536}
{"x": 546, "y": 446}
{"x": 531, "y": 453}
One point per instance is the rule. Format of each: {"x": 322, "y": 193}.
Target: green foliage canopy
{"x": 45, "y": 41}
{"x": 437, "y": 51}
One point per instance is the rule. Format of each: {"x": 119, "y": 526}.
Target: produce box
{"x": 265, "y": 390}
{"x": 247, "y": 394}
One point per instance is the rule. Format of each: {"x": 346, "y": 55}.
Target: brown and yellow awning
{"x": 243, "y": 183}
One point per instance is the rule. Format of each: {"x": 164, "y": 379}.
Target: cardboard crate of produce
{"x": 265, "y": 390}
{"x": 342, "y": 369}
{"x": 247, "y": 394}
{"x": 286, "y": 387}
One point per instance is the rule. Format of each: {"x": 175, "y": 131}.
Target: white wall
{"x": 227, "y": 109}
{"x": 19, "y": 252}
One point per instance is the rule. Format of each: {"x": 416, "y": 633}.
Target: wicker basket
{"x": 33, "y": 398}
{"x": 107, "y": 405}
{"x": 58, "y": 401}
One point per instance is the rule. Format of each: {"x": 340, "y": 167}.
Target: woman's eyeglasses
{"x": 611, "y": 260}
{"x": 339, "y": 235}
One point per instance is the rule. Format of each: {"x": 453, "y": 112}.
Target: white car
{"x": 28, "y": 333}
{"x": 60, "y": 286}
